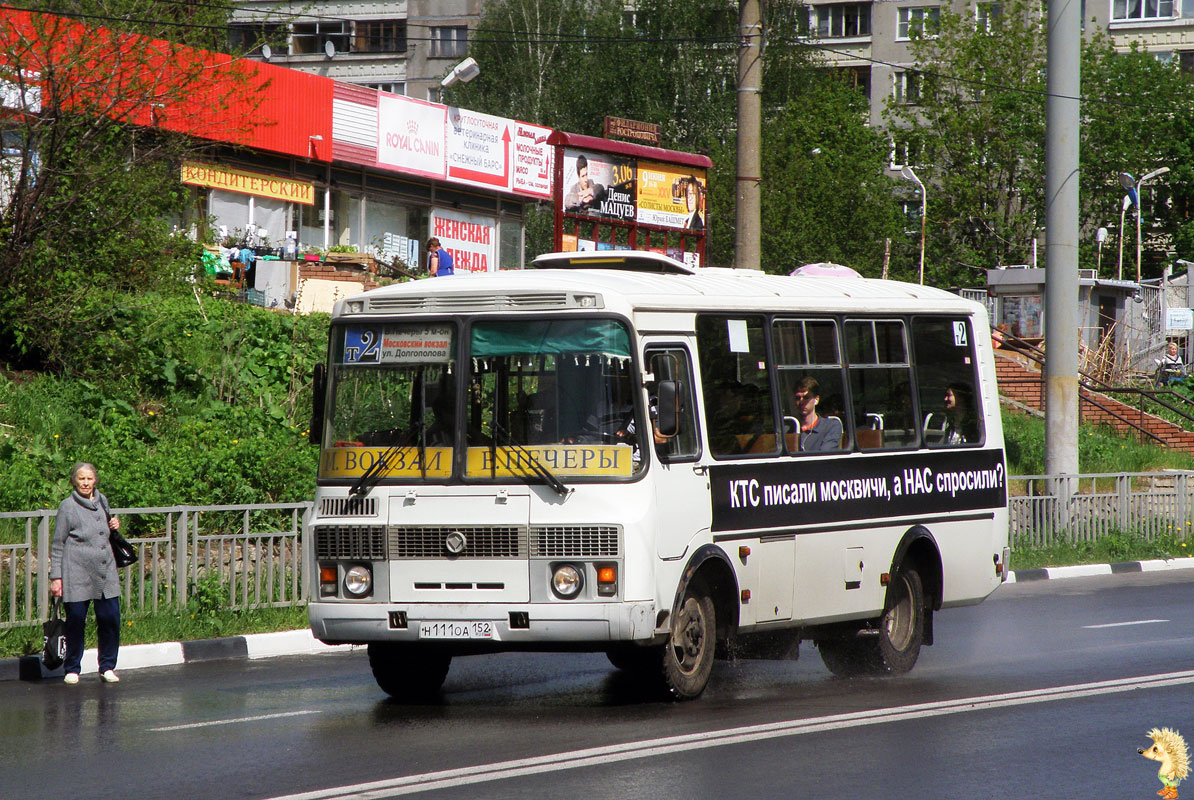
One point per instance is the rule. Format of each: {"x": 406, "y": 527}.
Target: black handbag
{"x": 53, "y": 648}
{"x": 124, "y": 553}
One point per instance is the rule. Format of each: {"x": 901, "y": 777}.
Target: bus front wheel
{"x": 406, "y": 673}
{"x": 894, "y": 648}
{"x": 688, "y": 653}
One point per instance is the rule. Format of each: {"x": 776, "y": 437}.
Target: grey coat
{"x": 81, "y": 554}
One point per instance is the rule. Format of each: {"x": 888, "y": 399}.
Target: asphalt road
{"x": 1045, "y": 690}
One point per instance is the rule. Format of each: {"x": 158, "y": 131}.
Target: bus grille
{"x": 574, "y": 541}
{"x": 427, "y": 541}
{"x": 348, "y": 507}
{"x": 351, "y": 542}
{"x": 488, "y": 302}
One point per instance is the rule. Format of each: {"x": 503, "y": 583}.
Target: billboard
{"x": 599, "y": 185}
{"x": 671, "y": 196}
{"x": 471, "y": 239}
{"x": 410, "y": 135}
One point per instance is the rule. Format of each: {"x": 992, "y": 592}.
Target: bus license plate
{"x": 456, "y": 630}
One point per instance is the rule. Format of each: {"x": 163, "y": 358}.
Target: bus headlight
{"x": 358, "y": 581}
{"x": 566, "y": 581}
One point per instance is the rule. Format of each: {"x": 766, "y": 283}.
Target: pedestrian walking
{"x": 83, "y": 571}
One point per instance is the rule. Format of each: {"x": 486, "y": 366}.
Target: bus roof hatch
{"x": 631, "y": 260}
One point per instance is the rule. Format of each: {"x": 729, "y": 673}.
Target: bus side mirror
{"x": 668, "y": 420}
{"x": 318, "y": 391}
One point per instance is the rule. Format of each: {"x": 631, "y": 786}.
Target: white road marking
{"x": 556, "y": 762}
{"x": 1125, "y": 624}
{"x": 234, "y": 720}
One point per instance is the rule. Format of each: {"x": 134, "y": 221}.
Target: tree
{"x": 972, "y": 121}
{"x": 90, "y": 172}
{"x": 1136, "y": 113}
{"x": 976, "y": 131}
{"x": 568, "y": 63}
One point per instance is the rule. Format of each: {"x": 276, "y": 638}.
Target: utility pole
{"x": 1061, "y": 244}
{"x": 750, "y": 87}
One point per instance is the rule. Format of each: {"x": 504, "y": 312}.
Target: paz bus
{"x": 609, "y": 452}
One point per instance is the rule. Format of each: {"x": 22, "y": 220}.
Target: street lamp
{"x": 910, "y": 175}
{"x": 463, "y": 72}
{"x": 1119, "y": 275}
{"x": 1125, "y": 180}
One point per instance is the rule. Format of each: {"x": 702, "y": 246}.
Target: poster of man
{"x": 671, "y": 196}
{"x": 599, "y": 185}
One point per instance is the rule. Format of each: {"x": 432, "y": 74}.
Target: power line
{"x": 589, "y": 40}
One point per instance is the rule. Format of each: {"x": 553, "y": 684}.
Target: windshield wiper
{"x": 532, "y": 464}
{"x": 371, "y": 476}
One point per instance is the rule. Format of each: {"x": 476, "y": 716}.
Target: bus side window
{"x": 881, "y": 384}
{"x": 672, "y": 364}
{"x": 947, "y": 383}
{"x": 736, "y": 385}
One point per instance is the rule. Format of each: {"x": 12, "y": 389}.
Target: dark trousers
{"x": 107, "y": 625}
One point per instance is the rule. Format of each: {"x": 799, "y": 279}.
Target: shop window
{"x": 510, "y": 244}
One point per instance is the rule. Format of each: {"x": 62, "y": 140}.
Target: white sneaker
{"x": 71, "y": 678}
{"x": 109, "y": 676}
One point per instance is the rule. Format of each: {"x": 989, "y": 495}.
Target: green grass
{"x": 186, "y": 626}
{"x": 1106, "y": 550}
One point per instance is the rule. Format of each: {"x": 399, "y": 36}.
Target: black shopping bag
{"x": 53, "y": 648}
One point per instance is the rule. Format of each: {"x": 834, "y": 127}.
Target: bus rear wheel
{"x": 894, "y": 648}
{"x": 688, "y": 653}
{"x": 407, "y": 673}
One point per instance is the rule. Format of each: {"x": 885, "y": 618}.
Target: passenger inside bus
{"x": 817, "y": 434}
{"x": 961, "y": 426}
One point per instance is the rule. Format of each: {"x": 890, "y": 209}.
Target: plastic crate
{"x": 255, "y": 296}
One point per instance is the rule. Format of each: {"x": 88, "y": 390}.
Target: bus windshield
{"x": 551, "y": 394}
{"x": 560, "y": 391}
{"x": 393, "y": 391}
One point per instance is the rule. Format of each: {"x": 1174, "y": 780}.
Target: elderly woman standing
{"x": 83, "y": 569}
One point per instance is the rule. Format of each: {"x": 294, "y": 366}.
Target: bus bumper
{"x": 546, "y": 624}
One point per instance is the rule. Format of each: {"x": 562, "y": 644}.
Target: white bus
{"x": 604, "y": 453}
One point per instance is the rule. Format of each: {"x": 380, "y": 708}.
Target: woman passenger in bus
{"x": 817, "y": 434}
{"x": 961, "y": 427}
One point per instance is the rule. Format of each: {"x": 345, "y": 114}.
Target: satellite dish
{"x": 329, "y": 49}
{"x": 267, "y": 52}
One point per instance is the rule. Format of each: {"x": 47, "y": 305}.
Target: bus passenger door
{"x": 683, "y": 506}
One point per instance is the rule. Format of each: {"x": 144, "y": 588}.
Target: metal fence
{"x": 247, "y": 556}
{"x": 1045, "y": 509}
{"x": 251, "y": 555}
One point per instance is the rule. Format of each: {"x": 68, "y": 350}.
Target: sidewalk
{"x": 292, "y": 643}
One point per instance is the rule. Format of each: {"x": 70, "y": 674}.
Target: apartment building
{"x": 870, "y": 40}
{"x": 401, "y": 47}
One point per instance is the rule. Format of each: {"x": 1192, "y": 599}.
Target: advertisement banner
{"x": 479, "y": 149}
{"x": 671, "y": 196}
{"x": 532, "y": 160}
{"x": 599, "y": 185}
{"x": 245, "y": 182}
{"x": 469, "y": 238}
{"x": 411, "y": 134}
{"x": 811, "y": 491}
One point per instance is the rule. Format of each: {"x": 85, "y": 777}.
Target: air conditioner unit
{"x": 1087, "y": 274}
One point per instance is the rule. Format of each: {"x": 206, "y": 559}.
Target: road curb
{"x": 301, "y": 642}
{"x": 166, "y": 654}
{"x": 1087, "y": 570}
